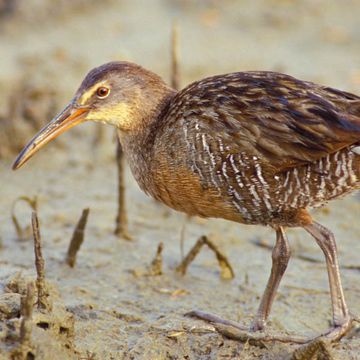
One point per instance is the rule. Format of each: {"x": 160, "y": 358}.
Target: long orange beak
{"x": 68, "y": 118}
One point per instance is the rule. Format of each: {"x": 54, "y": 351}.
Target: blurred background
{"x": 46, "y": 48}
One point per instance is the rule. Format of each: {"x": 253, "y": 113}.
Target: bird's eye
{"x": 102, "y": 92}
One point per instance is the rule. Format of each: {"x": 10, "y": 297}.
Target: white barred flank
{"x": 242, "y": 210}
{"x": 212, "y": 163}
{"x": 255, "y": 195}
{"x": 264, "y": 184}
{"x": 325, "y": 179}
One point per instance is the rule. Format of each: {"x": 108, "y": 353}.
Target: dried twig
{"x": 156, "y": 264}
{"x": 226, "y": 269}
{"x": 21, "y": 233}
{"x": 188, "y": 259}
{"x": 25, "y": 350}
{"x": 175, "y": 74}
{"x": 121, "y": 229}
{"x": 186, "y": 219}
{"x": 27, "y": 303}
{"x": 155, "y": 268}
{"x": 267, "y": 246}
{"x": 182, "y": 240}
{"x": 77, "y": 238}
{"x": 42, "y": 301}
{"x": 307, "y": 258}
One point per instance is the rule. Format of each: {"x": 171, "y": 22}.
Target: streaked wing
{"x": 282, "y": 120}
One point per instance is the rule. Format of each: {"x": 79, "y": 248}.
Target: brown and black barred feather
{"x": 286, "y": 120}
{"x": 267, "y": 143}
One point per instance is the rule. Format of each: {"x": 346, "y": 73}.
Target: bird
{"x": 255, "y": 147}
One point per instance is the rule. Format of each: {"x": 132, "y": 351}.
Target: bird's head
{"x": 122, "y": 94}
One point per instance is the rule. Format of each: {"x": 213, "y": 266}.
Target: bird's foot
{"x": 336, "y": 332}
{"x": 256, "y": 336}
{"x": 235, "y": 331}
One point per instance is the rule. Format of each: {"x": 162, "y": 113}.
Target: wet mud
{"x": 125, "y": 299}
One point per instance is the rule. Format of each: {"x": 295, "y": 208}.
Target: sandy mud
{"x": 116, "y": 302}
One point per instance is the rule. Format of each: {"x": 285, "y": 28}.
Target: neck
{"x": 138, "y": 143}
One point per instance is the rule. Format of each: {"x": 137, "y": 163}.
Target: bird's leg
{"x": 280, "y": 260}
{"x": 341, "y": 318}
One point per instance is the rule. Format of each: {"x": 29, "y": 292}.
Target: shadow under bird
{"x": 251, "y": 147}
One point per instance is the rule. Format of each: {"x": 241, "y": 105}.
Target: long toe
{"x": 236, "y": 331}
{"x": 214, "y": 319}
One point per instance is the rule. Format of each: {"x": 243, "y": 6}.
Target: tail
{"x": 354, "y": 111}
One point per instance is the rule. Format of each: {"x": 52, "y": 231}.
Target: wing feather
{"x": 285, "y": 121}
